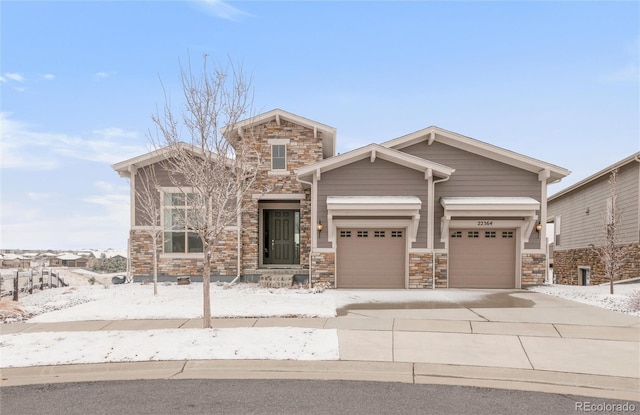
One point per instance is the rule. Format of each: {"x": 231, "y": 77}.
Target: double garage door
{"x": 480, "y": 258}
{"x": 371, "y": 258}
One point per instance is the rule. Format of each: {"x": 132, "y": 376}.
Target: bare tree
{"x": 212, "y": 171}
{"x": 610, "y": 251}
{"x": 148, "y": 208}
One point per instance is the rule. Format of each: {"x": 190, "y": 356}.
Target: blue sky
{"x": 558, "y": 81}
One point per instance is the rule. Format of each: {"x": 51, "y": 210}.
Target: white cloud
{"x": 115, "y": 132}
{"x": 48, "y": 76}
{"x": 3, "y": 79}
{"x": 103, "y": 75}
{"x": 38, "y": 195}
{"x": 14, "y": 76}
{"x": 20, "y": 147}
{"x": 220, "y": 9}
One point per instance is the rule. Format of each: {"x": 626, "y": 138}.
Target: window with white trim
{"x": 177, "y": 238}
{"x": 278, "y": 157}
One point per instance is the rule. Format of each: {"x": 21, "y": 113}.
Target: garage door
{"x": 371, "y": 258}
{"x": 481, "y": 258}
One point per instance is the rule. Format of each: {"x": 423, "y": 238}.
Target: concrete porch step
{"x": 276, "y": 281}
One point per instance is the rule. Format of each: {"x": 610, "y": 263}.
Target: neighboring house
{"x": 15, "y": 261}
{"x": 579, "y": 213}
{"x": 430, "y": 209}
{"x": 70, "y": 260}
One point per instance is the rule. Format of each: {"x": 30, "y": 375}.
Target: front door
{"x": 281, "y": 236}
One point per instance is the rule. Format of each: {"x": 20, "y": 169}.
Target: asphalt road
{"x": 287, "y": 397}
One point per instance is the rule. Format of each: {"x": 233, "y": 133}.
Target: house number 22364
{"x": 485, "y": 223}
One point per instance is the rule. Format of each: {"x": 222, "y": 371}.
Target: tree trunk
{"x": 206, "y": 279}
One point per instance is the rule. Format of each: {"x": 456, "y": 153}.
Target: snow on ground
{"x": 598, "y": 295}
{"x": 136, "y": 301}
{"x": 278, "y": 343}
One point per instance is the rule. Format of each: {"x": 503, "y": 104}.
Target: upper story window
{"x": 278, "y": 157}
{"x": 176, "y": 208}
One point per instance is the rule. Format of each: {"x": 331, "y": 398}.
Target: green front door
{"x": 281, "y": 236}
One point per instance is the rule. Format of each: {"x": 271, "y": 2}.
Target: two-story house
{"x": 432, "y": 209}
{"x": 579, "y": 215}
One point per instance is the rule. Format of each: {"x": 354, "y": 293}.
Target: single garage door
{"x": 480, "y": 258}
{"x": 371, "y": 258}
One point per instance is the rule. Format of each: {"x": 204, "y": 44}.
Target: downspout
{"x": 239, "y": 243}
{"x": 311, "y": 228}
{"x": 433, "y": 249}
{"x": 132, "y": 181}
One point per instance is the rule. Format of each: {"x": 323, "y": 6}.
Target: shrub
{"x": 634, "y": 300}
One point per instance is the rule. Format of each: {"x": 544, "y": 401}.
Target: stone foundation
{"x": 441, "y": 271}
{"x": 224, "y": 261}
{"x": 323, "y": 268}
{"x": 567, "y": 261}
{"x": 533, "y": 269}
{"x": 420, "y": 270}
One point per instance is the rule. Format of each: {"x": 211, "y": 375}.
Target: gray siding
{"x": 579, "y": 229}
{"x": 380, "y": 178}
{"x": 477, "y": 176}
{"x": 162, "y": 176}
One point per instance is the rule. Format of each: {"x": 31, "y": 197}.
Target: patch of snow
{"x": 596, "y": 295}
{"x": 278, "y": 343}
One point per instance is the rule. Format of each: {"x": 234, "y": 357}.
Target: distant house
{"x": 71, "y": 260}
{"x": 578, "y": 213}
{"x": 15, "y": 261}
{"x": 431, "y": 209}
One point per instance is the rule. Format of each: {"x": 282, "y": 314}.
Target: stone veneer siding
{"x": 567, "y": 261}
{"x": 441, "y": 270}
{"x": 302, "y": 150}
{"x": 420, "y": 270}
{"x": 224, "y": 259}
{"x": 533, "y": 269}
{"x": 323, "y": 268}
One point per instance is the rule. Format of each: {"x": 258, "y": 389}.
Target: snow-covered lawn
{"x": 104, "y": 301}
{"x": 598, "y": 295}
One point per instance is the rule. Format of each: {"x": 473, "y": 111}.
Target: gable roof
{"x": 123, "y": 168}
{"x": 373, "y": 151}
{"x": 433, "y": 133}
{"x": 328, "y": 133}
{"x": 593, "y": 177}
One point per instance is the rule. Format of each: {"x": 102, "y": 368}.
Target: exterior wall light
{"x": 320, "y": 227}
{"x": 538, "y": 227}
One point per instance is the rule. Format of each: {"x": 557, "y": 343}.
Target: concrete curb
{"x": 606, "y": 387}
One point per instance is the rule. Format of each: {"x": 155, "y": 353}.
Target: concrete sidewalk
{"x": 554, "y": 346}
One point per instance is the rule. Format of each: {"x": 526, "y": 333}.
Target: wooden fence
{"x": 27, "y": 281}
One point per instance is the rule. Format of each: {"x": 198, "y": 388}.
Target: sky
{"x": 79, "y": 81}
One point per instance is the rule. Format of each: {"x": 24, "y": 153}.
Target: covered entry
{"x": 482, "y": 258}
{"x": 371, "y": 257}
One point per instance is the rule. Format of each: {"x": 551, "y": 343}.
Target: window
{"x": 278, "y": 157}
{"x": 507, "y": 234}
{"x": 489, "y": 234}
{"x": 345, "y": 234}
{"x": 473, "y": 234}
{"x": 177, "y": 238}
{"x": 378, "y": 234}
{"x": 456, "y": 234}
{"x": 396, "y": 234}
{"x": 363, "y": 234}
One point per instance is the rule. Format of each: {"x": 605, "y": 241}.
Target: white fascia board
{"x": 329, "y": 133}
{"x": 387, "y": 154}
{"x": 595, "y": 176}
{"x": 479, "y": 147}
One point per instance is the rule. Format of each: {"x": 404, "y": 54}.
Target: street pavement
{"x": 550, "y": 345}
